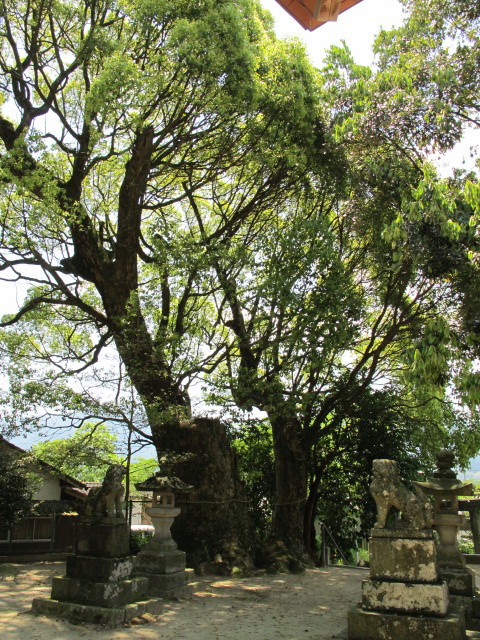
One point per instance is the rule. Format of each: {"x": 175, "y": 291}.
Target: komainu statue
{"x": 106, "y": 501}
{"x": 389, "y": 491}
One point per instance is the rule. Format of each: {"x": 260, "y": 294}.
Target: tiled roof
{"x": 313, "y": 13}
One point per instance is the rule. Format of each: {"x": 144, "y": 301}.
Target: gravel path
{"x": 310, "y": 606}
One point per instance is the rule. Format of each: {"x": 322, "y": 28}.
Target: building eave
{"x": 46, "y": 466}
{"x": 311, "y": 14}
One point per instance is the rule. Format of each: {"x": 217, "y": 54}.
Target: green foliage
{"x": 16, "y": 487}
{"x": 254, "y": 449}
{"x": 164, "y": 144}
{"x": 465, "y": 545}
{"x": 138, "y": 541}
{"x": 141, "y": 469}
{"x": 85, "y": 456}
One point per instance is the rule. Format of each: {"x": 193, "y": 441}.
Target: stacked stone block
{"x": 463, "y": 593}
{"x": 404, "y": 597}
{"x": 164, "y": 566}
{"x": 98, "y": 586}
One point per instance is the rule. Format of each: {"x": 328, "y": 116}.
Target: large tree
{"x": 324, "y": 309}
{"x": 115, "y": 116}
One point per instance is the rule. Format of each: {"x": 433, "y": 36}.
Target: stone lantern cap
{"x": 162, "y": 481}
{"x": 444, "y": 480}
{"x": 446, "y": 485}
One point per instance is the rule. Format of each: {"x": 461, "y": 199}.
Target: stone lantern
{"x": 163, "y": 510}
{"x": 445, "y": 489}
{"x": 160, "y": 560}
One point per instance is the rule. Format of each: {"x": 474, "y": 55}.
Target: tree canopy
{"x": 188, "y": 201}
{"x": 87, "y": 454}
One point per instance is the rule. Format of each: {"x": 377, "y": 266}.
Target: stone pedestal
{"x": 161, "y": 561}
{"x": 473, "y": 508}
{"x": 404, "y": 597}
{"x": 98, "y": 586}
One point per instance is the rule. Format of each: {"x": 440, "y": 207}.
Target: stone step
{"x": 374, "y": 625}
{"x": 473, "y": 634}
{"x": 473, "y": 624}
{"x": 100, "y": 594}
{"x": 110, "y": 617}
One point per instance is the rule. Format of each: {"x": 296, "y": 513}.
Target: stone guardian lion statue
{"x": 106, "y": 501}
{"x": 389, "y": 491}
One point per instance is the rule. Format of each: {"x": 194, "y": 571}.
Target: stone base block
{"x": 372, "y": 625}
{"x": 147, "y": 561}
{"x": 178, "y": 593}
{"x": 461, "y": 603}
{"x": 471, "y": 608}
{"x": 102, "y": 594}
{"x": 403, "y": 559}
{"x": 99, "y": 569}
{"x": 402, "y": 532}
{"x": 108, "y": 539}
{"x": 461, "y": 582}
{"x": 113, "y": 617}
{"x": 167, "y": 584}
{"x": 405, "y": 597}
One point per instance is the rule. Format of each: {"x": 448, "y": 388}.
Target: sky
{"x": 357, "y": 27}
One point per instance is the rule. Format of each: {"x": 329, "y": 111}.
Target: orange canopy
{"x": 313, "y": 13}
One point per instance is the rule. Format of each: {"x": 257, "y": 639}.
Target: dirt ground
{"x": 310, "y": 606}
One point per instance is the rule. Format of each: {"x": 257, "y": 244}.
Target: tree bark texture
{"x": 213, "y": 527}
{"x": 291, "y": 477}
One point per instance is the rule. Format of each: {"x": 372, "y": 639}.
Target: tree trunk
{"x": 309, "y": 521}
{"x": 213, "y": 528}
{"x": 291, "y": 478}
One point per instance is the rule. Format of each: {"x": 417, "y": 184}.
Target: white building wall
{"x": 50, "y": 490}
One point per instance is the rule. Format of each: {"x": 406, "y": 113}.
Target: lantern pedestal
{"x": 162, "y": 519}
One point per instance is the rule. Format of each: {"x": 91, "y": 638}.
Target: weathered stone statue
{"x": 389, "y": 491}
{"x": 106, "y": 501}
{"x": 99, "y": 586}
{"x": 404, "y": 597}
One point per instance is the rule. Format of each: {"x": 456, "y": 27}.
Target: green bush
{"x": 465, "y": 545}
{"x": 139, "y": 540}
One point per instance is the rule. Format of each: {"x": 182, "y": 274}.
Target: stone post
{"x": 473, "y": 508}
